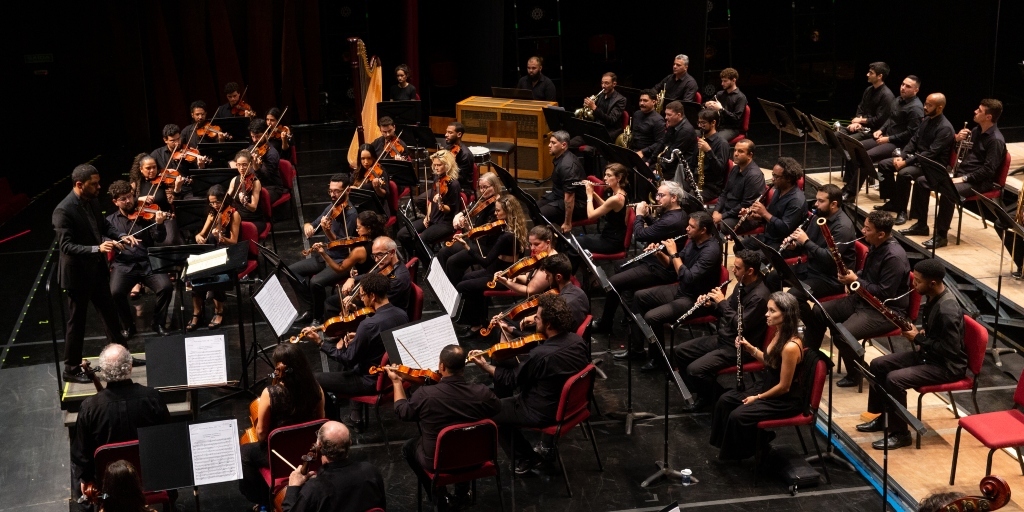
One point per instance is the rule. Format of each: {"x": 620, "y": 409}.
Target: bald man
{"x": 933, "y": 140}
{"x": 341, "y": 485}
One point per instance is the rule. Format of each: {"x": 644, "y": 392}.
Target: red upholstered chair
{"x": 706, "y": 319}
{"x": 573, "y": 409}
{"x": 247, "y": 234}
{"x": 697, "y": 98}
{"x": 129, "y": 451}
{"x": 581, "y": 331}
{"x": 267, "y": 212}
{"x": 996, "y": 430}
{"x": 753, "y": 366}
{"x": 415, "y": 310}
{"x": 744, "y": 126}
{"x": 392, "y": 204}
{"x": 975, "y": 341}
{"x": 991, "y": 194}
{"x": 293, "y": 155}
{"x": 464, "y": 452}
{"x": 630, "y": 217}
{"x": 412, "y": 266}
{"x": 860, "y": 255}
{"x": 807, "y": 417}
{"x": 292, "y": 442}
{"x": 288, "y": 177}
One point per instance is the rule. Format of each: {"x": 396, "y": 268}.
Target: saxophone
{"x": 584, "y": 112}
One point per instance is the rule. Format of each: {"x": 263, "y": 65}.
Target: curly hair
{"x": 371, "y": 220}
{"x": 555, "y": 313}
{"x": 135, "y": 173}
{"x": 115, "y": 363}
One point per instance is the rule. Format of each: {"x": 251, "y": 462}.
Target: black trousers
{"x": 456, "y": 260}
{"x": 319, "y": 277}
{"x": 902, "y": 182}
{"x": 78, "y": 302}
{"x": 662, "y": 306}
{"x": 626, "y": 282}
{"x": 699, "y": 361}
{"x": 554, "y": 209}
{"x": 345, "y": 383}
{"x": 252, "y": 485}
{"x": 919, "y": 204}
{"x": 512, "y": 416}
{"x": 899, "y": 372}
{"x": 432, "y": 234}
{"x": 857, "y": 316}
{"x": 877, "y": 152}
{"x": 474, "y": 304}
{"x": 122, "y": 279}
{"x": 600, "y": 244}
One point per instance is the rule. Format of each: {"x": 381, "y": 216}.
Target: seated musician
{"x": 358, "y": 351}
{"x": 697, "y": 269}
{"x": 114, "y": 414}
{"x": 244, "y": 190}
{"x": 612, "y": 208}
{"x": 463, "y": 156}
{"x": 456, "y": 258}
{"x": 369, "y": 175}
{"x": 542, "y": 241}
{"x": 716, "y": 152}
{"x": 340, "y": 484}
{"x": 647, "y": 126}
{"x": 780, "y": 394}
{"x": 445, "y": 201}
{"x": 875, "y": 104}
{"x": 680, "y": 85}
{"x": 884, "y": 276}
{"x": 650, "y": 272}
{"x": 144, "y": 179}
{"x": 679, "y": 134}
{"x": 939, "y": 355}
{"x": 280, "y": 135}
{"x": 539, "y": 379}
{"x": 189, "y": 137}
{"x": 699, "y": 360}
{"x": 819, "y": 271}
{"x": 744, "y": 185}
{"x": 341, "y": 227}
{"x": 730, "y": 103}
{"x": 565, "y": 202}
{"x": 122, "y": 487}
{"x": 542, "y": 87}
{"x": 268, "y": 167}
{"x": 385, "y": 257}
{"x": 506, "y": 248}
{"x": 557, "y": 274}
{"x": 222, "y": 227}
{"x": 978, "y": 170}
{"x": 172, "y": 141}
{"x": 388, "y": 140}
{"x": 292, "y": 397}
{"x": 234, "y": 97}
{"x": 131, "y": 266}
{"x": 369, "y": 226}
{"x": 449, "y": 402}
{"x": 403, "y": 90}
{"x": 788, "y": 207}
{"x": 609, "y": 105}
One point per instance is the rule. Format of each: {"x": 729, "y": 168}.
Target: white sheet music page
{"x": 216, "y": 456}
{"x": 420, "y": 345}
{"x": 206, "y": 360}
{"x": 206, "y": 260}
{"x": 443, "y": 288}
{"x": 276, "y": 305}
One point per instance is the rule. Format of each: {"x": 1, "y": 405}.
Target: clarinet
{"x": 739, "y": 334}
{"x": 758, "y": 200}
{"x": 648, "y": 252}
{"x": 702, "y": 300}
{"x": 789, "y": 239}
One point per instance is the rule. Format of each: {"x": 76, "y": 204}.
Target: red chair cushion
{"x": 1000, "y": 429}
{"x": 965, "y": 383}
{"x": 832, "y": 297}
{"x": 794, "y": 421}
{"x": 567, "y": 424}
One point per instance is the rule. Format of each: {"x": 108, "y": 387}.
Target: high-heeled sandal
{"x": 194, "y": 324}
{"x": 213, "y": 324}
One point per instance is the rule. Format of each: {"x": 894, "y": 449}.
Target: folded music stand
{"x": 806, "y": 125}
{"x": 203, "y": 179}
{"x": 646, "y": 182}
{"x": 940, "y": 182}
{"x": 827, "y": 136}
{"x": 401, "y": 172}
{"x": 859, "y": 156}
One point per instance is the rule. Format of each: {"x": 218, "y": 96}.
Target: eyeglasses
{"x": 379, "y": 255}
{"x": 242, "y": 165}
{"x": 660, "y": 195}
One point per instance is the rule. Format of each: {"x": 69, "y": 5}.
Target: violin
{"x": 481, "y": 230}
{"x": 281, "y": 133}
{"x": 509, "y": 349}
{"x": 516, "y": 310}
{"x": 396, "y": 149}
{"x": 482, "y": 204}
{"x": 190, "y": 154}
{"x": 341, "y": 242}
{"x": 168, "y": 177}
{"x": 303, "y": 468}
{"x": 145, "y": 211}
{"x": 223, "y": 223}
{"x": 455, "y": 150}
{"x": 337, "y": 325}
{"x": 415, "y": 375}
{"x": 212, "y": 130}
{"x": 242, "y": 109}
{"x": 523, "y": 265}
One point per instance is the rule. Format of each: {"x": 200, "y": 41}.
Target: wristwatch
{"x": 676, "y": 255}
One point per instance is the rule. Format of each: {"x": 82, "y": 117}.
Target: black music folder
{"x": 179, "y": 455}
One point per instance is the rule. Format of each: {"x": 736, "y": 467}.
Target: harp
{"x": 367, "y": 90}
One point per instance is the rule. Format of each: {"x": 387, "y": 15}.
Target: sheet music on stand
{"x": 446, "y": 293}
{"x": 275, "y": 305}
{"x": 180, "y": 363}
{"x": 419, "y": 344}
{"x": 179, "y": 455}
{"x": 205, "y": 261}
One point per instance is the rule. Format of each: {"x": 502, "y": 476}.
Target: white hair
{"x": 115, "y": 363}
{"x": 684, "y": 58}
{"x": 674, "y": 190}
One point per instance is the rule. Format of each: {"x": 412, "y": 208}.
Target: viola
{"x": 416, "y": 375}
{"x": 281, "y": 133}
{"x": 223, "y": 223}
{"x": 396, "y": 149}
{"x": 523, "y": 265}
{"x": 509, "y": 349}
{"x": 211, "y": 130}
{"x": 242, "y": 109}
{"x": 482, "y": 204}
{"x": 341, "y": 242}
{"x": 455, "y": 150}
{"x": 516, "y": 310}
{"x": 481, "y": 230}
{"x": 338, "y": 325}
{"x": 89, "y": 372}
{"x": 303, "y": 468}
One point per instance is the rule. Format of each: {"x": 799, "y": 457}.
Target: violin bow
{"x": 379, "y": 157}
{"x": 335, "y": 203}
{"x": 418, "y": 365}
{"x": 263, "y": 138}
{"x": 469, "y": 221}
{"x": 355, "y": 289}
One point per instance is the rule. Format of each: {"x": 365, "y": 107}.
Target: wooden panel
{"x": 533, "y": 161}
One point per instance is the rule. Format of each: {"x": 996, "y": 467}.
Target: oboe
{"x": 789, "y": 239}
{"x": 739, "y": 334}
{"x": 758, "y": 200}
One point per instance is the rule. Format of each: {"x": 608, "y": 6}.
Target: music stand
{"x": 401, "y": 172}
{"x": 171, "y": 258}
{"x": 511, "y": 93}
{"x": 203, "y": 179}
{"x": 223, "y": 152}
{"x": 362, "y": 199}
{"x": 237, "y": 126}
{"x": 646, "y": 180}
{"x": 1011, "y": 225}
{"x": 580, "y": 127}
{"x": 827, "y": 136}
{"x": 691, "y": 111}
{"x": 807, "y": 126}
{"x": 780, "y": 119}
{"x": 421, "y": 247}
{"x": 859, "y": 156}
{"x": 643, "y": 327}
{"x": 940, "y": 182}
{"x": 555, "y": 117}
{"x": 402, "y": 112}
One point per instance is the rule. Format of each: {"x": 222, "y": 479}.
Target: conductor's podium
{"x": 533, "y": 160}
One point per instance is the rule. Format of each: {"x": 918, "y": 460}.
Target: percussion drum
{"x": 480, "y": 154}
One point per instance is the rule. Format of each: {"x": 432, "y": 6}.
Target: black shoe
{"x": 129, "y": 333}
{"x": 353, "y": 423}
{"x": 699, "y": 403}
{"x": 1017, "y": 274}
{"x": 847, "y": 197}
{"x": 918, "y": 229}
{"x": 194, "y": 324}
{"x": 901, "y": 219}
{"x": 159, "y": 330}
{"x": 301, "y": 319}
{"x": 848, "y": 382}
{"x": 462, "y": 330}
{"x": 650, "y": 366}
{"x": 470, "y": 334}
{"x": 76, "y": 375}
{"x": 600, "y": 327}
{"x": 895, "y": 441}
{"x": 138, "y": 362}
{"x": 629, "y": 354}
{"x": 526, "y": 465}
{"x": 875, "y": 425}
{"x": 885, "y": 207}
{"x": 937, "y": 242}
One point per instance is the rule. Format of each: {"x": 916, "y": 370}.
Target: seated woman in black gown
{"x": 778, "y": 395}
{"x": 377, "y": 181}
{"x": 244, "y": 191}
{"x": 445, "y": 201}
{"x": 456, "y": 259}
{"x": 612, "y": 207}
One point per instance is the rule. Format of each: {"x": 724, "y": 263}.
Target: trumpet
{"x": 654, "y": 208}
{"x": 962, "y": 148}
{"x": 584, "y": 112}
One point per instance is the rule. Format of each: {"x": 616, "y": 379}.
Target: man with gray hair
{"x": 385, "y": 255}
{"x": 114, "y": 414}
{"x": 679, "y": 85}
{"x": 565, "y": 202}
{"x": 341, "y": 484}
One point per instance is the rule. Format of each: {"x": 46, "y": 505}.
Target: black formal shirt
{"x": 820, "y": 264}
{"x": 541, "y": 377}
{"x": 788, "y": 212}
{"x": 81, "y": 228}
{"x": 378, "y": 148}
{"x": 578, "y": 302}
{"x": 933, "y": 139}
{"x": 648, "y": 132}
{"x": 682, "y": 89}
{"x": 875, "y": 105}
{"x": 942, "y": 340}
{"x": 734, "y": 105}
{"x": 609, "y": 112}
{"x": 224, "y": 111}
{"x": 270, "y": 173}
{"x": 668, "y": 225}
{"x": 543, "y": 88}
{"x": 398, "y": 288}
{"x": 449, "y": 402}
{"x": 367, "y": 349}
{"x": 984, "y": 160}
{"x": 111, "y": 416}
{"x": 716, "y": 166}
{"x": 452, "y": 199}
{"x": 904, "y": 118}
{"x": 136, "y": 258}
{"x": 407, "y": 93}
{"x": 464, "y": 160}
{"x": 568, "y": 170}
{"x": 339, "y": 486}
{"x": 189, "y": 138}
{"x": 338, "y": 228}
{"x": 682, "y": 137}
{"x": 162, "y": 155}
{"x": 755, "y": 305}
{"x": 742, "y": 188}
{"x": 886, "y": 274}
{"x": 701, "y": 268}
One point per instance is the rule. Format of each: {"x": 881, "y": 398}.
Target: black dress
{"x": 609, "y": 239}
{"x": 734, "y": 425}
{"x": 473, "y": 284}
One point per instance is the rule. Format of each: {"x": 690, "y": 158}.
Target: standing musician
{"x": 978, "y": 170}
{"x": 388, "y": 138}
{"x": 456, "y": 258}
{"x": 268, "y": 166}
{"x": 904, "y": 118}
{"x": 933, "y": 140}
{"x": 369, "y": 226}
{"x": 505, "y": 250}
{"x": 292, "y": 397}
{"x": 114, "y": 414}
{"x": 647, "y": 126}
{"x": 613, "y": 209}
{"x": 565, "y": 202}
{"x": 541, "y": 240}
{"x": 222, "y": 227}
{"x": 280, "y": 135}
{"x": 83, "y": 272}
{"x": 875, "y": 104}
{"x": 131, "y": 266}
{"x": 716, "y": 152}
{"x": 939, "y": 355}
{"x": 403, "y": 90}
{"x": 449, "y": 402}
{"x": 244, "y": 190}
{"x": 680, "y": 85}
{"x": 884, "y": 276}
{"x": 819, "y": 272}
{"x": 696, "y": 267}
{"x": 788, "y": 208}
{"x": 609, "y": 105}
{"x": 700, "y": 359}
{"x": 236, "y": 106}
{"x": 539, "y": 379}
{"x": 679, "y": 134}
{"x": 744, "y": 185}
{"x": 542, "y": 87}
{"x": 557, "y": 273}
{"x": 358, "y": 351}
{"x": 341, "y": 484}
{"x": 650, "y": 271}
{"x": 385, "y": 256}
{"x": 188, "y": 137}
{"x": 445, "y": 202}
{"x": 730, "y": 103}
{"x": 171, "y": 134}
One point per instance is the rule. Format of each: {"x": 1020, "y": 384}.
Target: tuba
{"x": 625, "y": 137}
{"x": 584, "y": 112}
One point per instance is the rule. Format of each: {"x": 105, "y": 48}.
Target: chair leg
{"x": 988, "y": 466}
{"x": 956, "y": 412}
{"x": 387, "y": 445}
{"x": 917, "y": 435}
{"x": 419, "y": 497}
{"x": 1020, "y": 460}
{"x": 273, "y": 236}
{"x": 593, "y": 442}
{"x": 960, "y": 224}
{"x": 497, "y": 480}
{"x": 956, "y": 452}
{"x": 757, "y": 456}
{"x": 824, "y": 465}
{"x": 800, "y": 436}
{"x": 565, "y": 472}
{"x": 974, "y": 398}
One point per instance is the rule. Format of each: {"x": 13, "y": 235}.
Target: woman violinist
{"x": 152, "y": 186}
{"x": 292, "y": 397}
{"x": 369, "y": 225}
{"x": 222, "y": 227}
{"x": 530, "y": 282}
{"x": 370, "y": 175}
{"x": 280, "y": 135}
{"x": 612, "y": 207}
{"x": 479, "y": 213}
{"x": 244, "y": 191}
{"x": 445, "y": 200}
